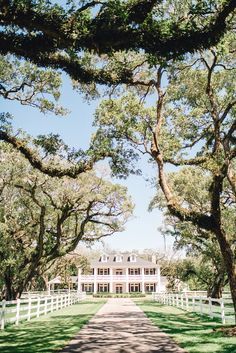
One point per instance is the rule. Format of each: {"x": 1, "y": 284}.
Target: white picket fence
{"x": 215, "y": 308}
{"x": 15, "y": 311}
{"x": 47, "y": 293}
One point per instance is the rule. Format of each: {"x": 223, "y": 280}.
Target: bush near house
{"x": 119, "y": 295}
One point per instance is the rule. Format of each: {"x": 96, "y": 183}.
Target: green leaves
{"x": 29, "y": 85}
{"x": 52, "y": 35}
{"x": 43, "y": 218}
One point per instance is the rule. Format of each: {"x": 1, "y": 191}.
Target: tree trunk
{"x": 14, "y": 287}
{"x": 10, "y": 293}
{"x": 230, "y": 264}
{"x": 215, "y": 291}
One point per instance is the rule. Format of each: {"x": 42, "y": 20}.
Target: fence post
{"x": 210, "y": 307}
{"x": 45, "y": 305}
{"x": 187, "y": 304}
{"x": 193, "y": 303}
{"x": 38, "y": 306}
{"x": 3, "y": 314}
{"x": 177, "y": 300}
{"x": 17, "y": 310}
{"x": 29, "y": 309}
{"x": 182, "y": 301}
{"x": 57, "y": 302}
{"x": 201, "y": 312}
{"x": 222, "y": 311}
{"x": 70, "y": 299}
{"x": 51, "y": 309}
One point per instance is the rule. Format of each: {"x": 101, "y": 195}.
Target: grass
{"x": 48, "y": 333}
{"x": 192, "y": 332}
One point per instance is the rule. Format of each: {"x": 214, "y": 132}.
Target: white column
{"x": 79, "y": 280}
{"x": 158, "y": 286}
{"x": 127, "y": 281}
{"x": 95, "y": 281}
{"x": 111, "y": 281}
{"x": 142, "y": 272}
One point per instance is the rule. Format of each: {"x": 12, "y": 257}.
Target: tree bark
{"x": 230, "y": 264}
{"x": 215, "y": 291}
{"x": 10, "y": 293}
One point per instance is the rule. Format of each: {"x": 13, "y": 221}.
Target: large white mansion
{"x": 120, "y": 273}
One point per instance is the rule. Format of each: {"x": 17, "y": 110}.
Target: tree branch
{"x": 47, "y": 31}
{"x": 36, "y": 162}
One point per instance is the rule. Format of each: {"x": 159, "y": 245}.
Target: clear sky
{"x": 75, "y": 129}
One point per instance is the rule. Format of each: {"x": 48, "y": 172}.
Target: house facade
{"x": 120, "y": 273}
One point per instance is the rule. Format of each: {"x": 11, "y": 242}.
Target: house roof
{"x": 58, "y": 280}
{"x": 111, "y": 262}
{"x": 55, "y": 280}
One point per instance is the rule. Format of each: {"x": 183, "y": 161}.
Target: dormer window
{"x": 104, "y": 258}
{"x": 132, "y": 258}
{"x": 118, "y": 258}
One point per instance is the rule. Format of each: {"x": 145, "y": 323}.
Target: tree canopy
{"x": 56, "y": 36}
{"x": 43, "y": 218}
{"x": 191, "y": 124}
{"x": 139, "y": 44}
{"x": 204, "y": 265}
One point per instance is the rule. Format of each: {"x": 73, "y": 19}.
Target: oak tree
{"x": 43, "y": 218}
{"x": 192, "y": 124}
{"x": 61, "y": 37}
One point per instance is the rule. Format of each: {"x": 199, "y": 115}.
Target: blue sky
{"x": 75, "y": 129}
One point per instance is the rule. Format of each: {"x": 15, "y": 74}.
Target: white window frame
{"x": 104, "y": 258}
{"x": 132, "y": 258}
{"x": 118, "y": 258}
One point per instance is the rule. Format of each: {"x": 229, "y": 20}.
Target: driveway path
{"x": 121, "y": 327}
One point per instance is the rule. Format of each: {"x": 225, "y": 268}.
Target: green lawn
{"x": 48, "y": 333}
{"x": 190, "y": 331}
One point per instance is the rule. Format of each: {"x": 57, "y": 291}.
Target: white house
{"x": 121, "y": 273}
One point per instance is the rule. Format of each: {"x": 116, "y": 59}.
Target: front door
{"x": 119, "y": 288}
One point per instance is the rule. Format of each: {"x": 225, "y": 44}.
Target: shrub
{"x": 119, "y": 295}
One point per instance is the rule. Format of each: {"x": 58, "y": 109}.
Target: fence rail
{"x": 15, "y": 311}
{"x": 215, "y": 308}
{"x": 48, "y": 292}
